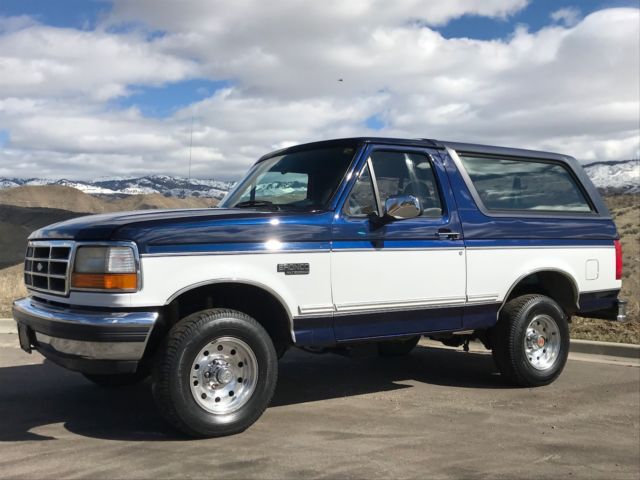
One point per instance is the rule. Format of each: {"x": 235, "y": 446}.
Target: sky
{"x": 107, "y": 88}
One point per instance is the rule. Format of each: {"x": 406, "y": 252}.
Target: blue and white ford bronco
{"x": 327, "y": 246}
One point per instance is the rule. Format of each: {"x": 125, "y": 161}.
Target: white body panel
{"x": 355, "y": 281}
{"x": 161, "y": 282}
{"x": 166, "y": 276}
{"x": 363, "y": 280}
{"x": 491, "y": 272}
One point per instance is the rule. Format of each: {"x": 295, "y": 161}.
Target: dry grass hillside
{"x": 73, "y": 200}
{"x": 626, "y": 213}
{"x": 11, "y": 287}
{"x": 16, "y": 223}
{"x": 155, "y": 200}
{"x": 25, "y": 209}
{"x": 52, "y": 196}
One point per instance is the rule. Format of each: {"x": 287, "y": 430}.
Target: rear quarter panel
{"x": 502, "y": 249}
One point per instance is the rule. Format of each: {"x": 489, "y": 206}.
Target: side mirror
{"x": 402, "y": 207}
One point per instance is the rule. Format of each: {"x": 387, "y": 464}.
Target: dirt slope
{"x": 11, "y": 288}
{"x": 155, "y": 200}
{"x": 71, "y": 199}
{"x": 16, "y": 223}
{"x": 626, "y": 213}
{"x": 52, "y": 196}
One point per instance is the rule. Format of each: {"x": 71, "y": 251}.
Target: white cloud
{"x": 42, "y": 61}
{"x": 288, "y": 17}
{"x": 293, "y": 49}
{"x": 568, "y": 16}
{"x": 231, "y": 130}
{"x": 568, "y": 89}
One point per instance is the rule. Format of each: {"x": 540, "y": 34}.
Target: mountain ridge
{"x": 165, "y": 185}
{"x": 74, "y": 200}
{"x": 619, "y": 176}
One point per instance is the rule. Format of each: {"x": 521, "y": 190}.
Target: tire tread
{"x": 167, "y": 356}
{"x": 505, "y": 336}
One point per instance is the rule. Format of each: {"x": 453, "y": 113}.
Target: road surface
{"x": 436, "y": 413}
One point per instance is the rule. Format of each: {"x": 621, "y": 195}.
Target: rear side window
{"x": 525, "y": 185}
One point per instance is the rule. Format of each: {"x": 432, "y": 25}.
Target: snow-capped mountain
{"x": 610, "y": 177}
{"x": 615, "y": 177}
{"x": 162, "y": 184}
{"x": 166, "y": 185}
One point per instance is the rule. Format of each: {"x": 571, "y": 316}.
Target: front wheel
{"x": 215, "y": 374}
{"x": 531, "y": 340}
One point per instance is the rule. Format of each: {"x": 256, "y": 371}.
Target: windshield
{"x": 304, "y": 180}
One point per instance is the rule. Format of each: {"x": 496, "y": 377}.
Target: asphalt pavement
{"x": 437, "y": 413}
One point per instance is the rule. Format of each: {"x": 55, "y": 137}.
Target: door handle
{"x": 446, "y": 234}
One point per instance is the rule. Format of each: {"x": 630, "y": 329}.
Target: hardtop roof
{"x": 460, "y": 147}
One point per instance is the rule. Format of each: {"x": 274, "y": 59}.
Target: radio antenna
{"x": 190, "y": 148}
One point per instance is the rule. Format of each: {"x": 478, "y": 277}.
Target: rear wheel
{"x": 215, "y": 374}
{"x": 531, "y": 340}
{"x": 398, "y": 348}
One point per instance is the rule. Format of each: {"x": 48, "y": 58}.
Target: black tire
{"x": 398, "y": 348}
{"x": 510, "y": 335}
{"x": 172, "y": 374}
{"x": 117, "y": 380}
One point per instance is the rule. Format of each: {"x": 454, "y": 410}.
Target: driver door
{"x": 397, "y": 277}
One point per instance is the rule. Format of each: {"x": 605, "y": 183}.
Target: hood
{"x": 160, "y": 230}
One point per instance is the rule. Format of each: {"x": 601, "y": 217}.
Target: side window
{"x": 399, "y": 173}
{"x": 526, "y": 185}
{"x": 362, "y": 200}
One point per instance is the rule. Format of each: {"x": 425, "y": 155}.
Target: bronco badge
{"x": 294, "y": 268}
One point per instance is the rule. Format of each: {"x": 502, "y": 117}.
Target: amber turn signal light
{"x": 105, "y": 281}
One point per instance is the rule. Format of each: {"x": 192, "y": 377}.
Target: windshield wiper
{"x": 256, "y": 203}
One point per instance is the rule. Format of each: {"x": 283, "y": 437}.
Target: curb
{"x": 590, "y": 347}
{"x": 8, "y": 325}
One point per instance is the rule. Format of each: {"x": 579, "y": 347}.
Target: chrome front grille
{"x": 46, "y": 266}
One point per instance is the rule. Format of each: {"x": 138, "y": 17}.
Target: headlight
{"x": 105, "y": 268}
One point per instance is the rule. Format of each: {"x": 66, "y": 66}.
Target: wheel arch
{"x": 555, "y": 283}
{"x": 255, "y": 299}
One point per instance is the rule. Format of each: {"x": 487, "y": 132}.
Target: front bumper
{"x": 88, "y": 341}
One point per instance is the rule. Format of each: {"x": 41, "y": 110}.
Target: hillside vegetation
{"x": 28, "y": 208}
{"x": 52, "y": 196}
{"x": 626, "y": 213}
{"x": 16, "y": 223}
{"x": 155, "y": 200}
{"x": 73, "y": 200}
{"x": 11, "y": 288}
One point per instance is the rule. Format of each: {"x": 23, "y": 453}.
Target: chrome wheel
{"x": 542, "y": 342}
{"x": 224, "y": 375}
